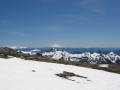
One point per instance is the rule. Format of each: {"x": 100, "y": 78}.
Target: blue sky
{"x": 70, "y": 23}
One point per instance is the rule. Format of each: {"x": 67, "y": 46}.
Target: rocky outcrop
{"x": 5, "y": 52}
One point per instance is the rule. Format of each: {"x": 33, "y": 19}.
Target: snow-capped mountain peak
{"x": 17, "y": 47}
{"x": 87, "y": 57}
{"x": 94, "y": 58}
{"x": 55, "y": 45}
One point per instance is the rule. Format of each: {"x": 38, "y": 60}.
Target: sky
{"x": 67, "y": 23}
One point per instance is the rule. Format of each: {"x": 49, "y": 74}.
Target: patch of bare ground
{"x": 67, "y": 75}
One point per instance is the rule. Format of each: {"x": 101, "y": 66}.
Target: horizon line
{"x": 55, "y": 47}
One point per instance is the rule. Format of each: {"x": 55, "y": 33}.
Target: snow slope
{"x": 16, "y": 74}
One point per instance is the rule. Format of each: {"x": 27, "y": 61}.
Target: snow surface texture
{"x": 18, "y": 74}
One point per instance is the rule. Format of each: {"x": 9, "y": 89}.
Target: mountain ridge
{"x": 86, "y": 57}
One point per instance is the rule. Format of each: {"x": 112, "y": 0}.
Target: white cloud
{"x": 86, "y": 2}
{"x": 55, "y": 45}
{"x": 5, "y": 22}
{"x": 49, "y": 28}
{"x": 98, "y": 11}
{"x": 18, "y": 34}
{"x": 46, "y": 0}
{"x": 49, "y": 1}
{"x": 53, "y": 28}
{"x": 73, "y": 18}
{"x": 96, "y": 6}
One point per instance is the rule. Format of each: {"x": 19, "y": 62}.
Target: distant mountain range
{"x": 75, "y": 50}
{"x": 92, "y": 55}
{"x": 17, "y": 47}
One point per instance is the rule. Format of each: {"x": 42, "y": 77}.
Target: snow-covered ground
{"x": 18, "y": 74}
